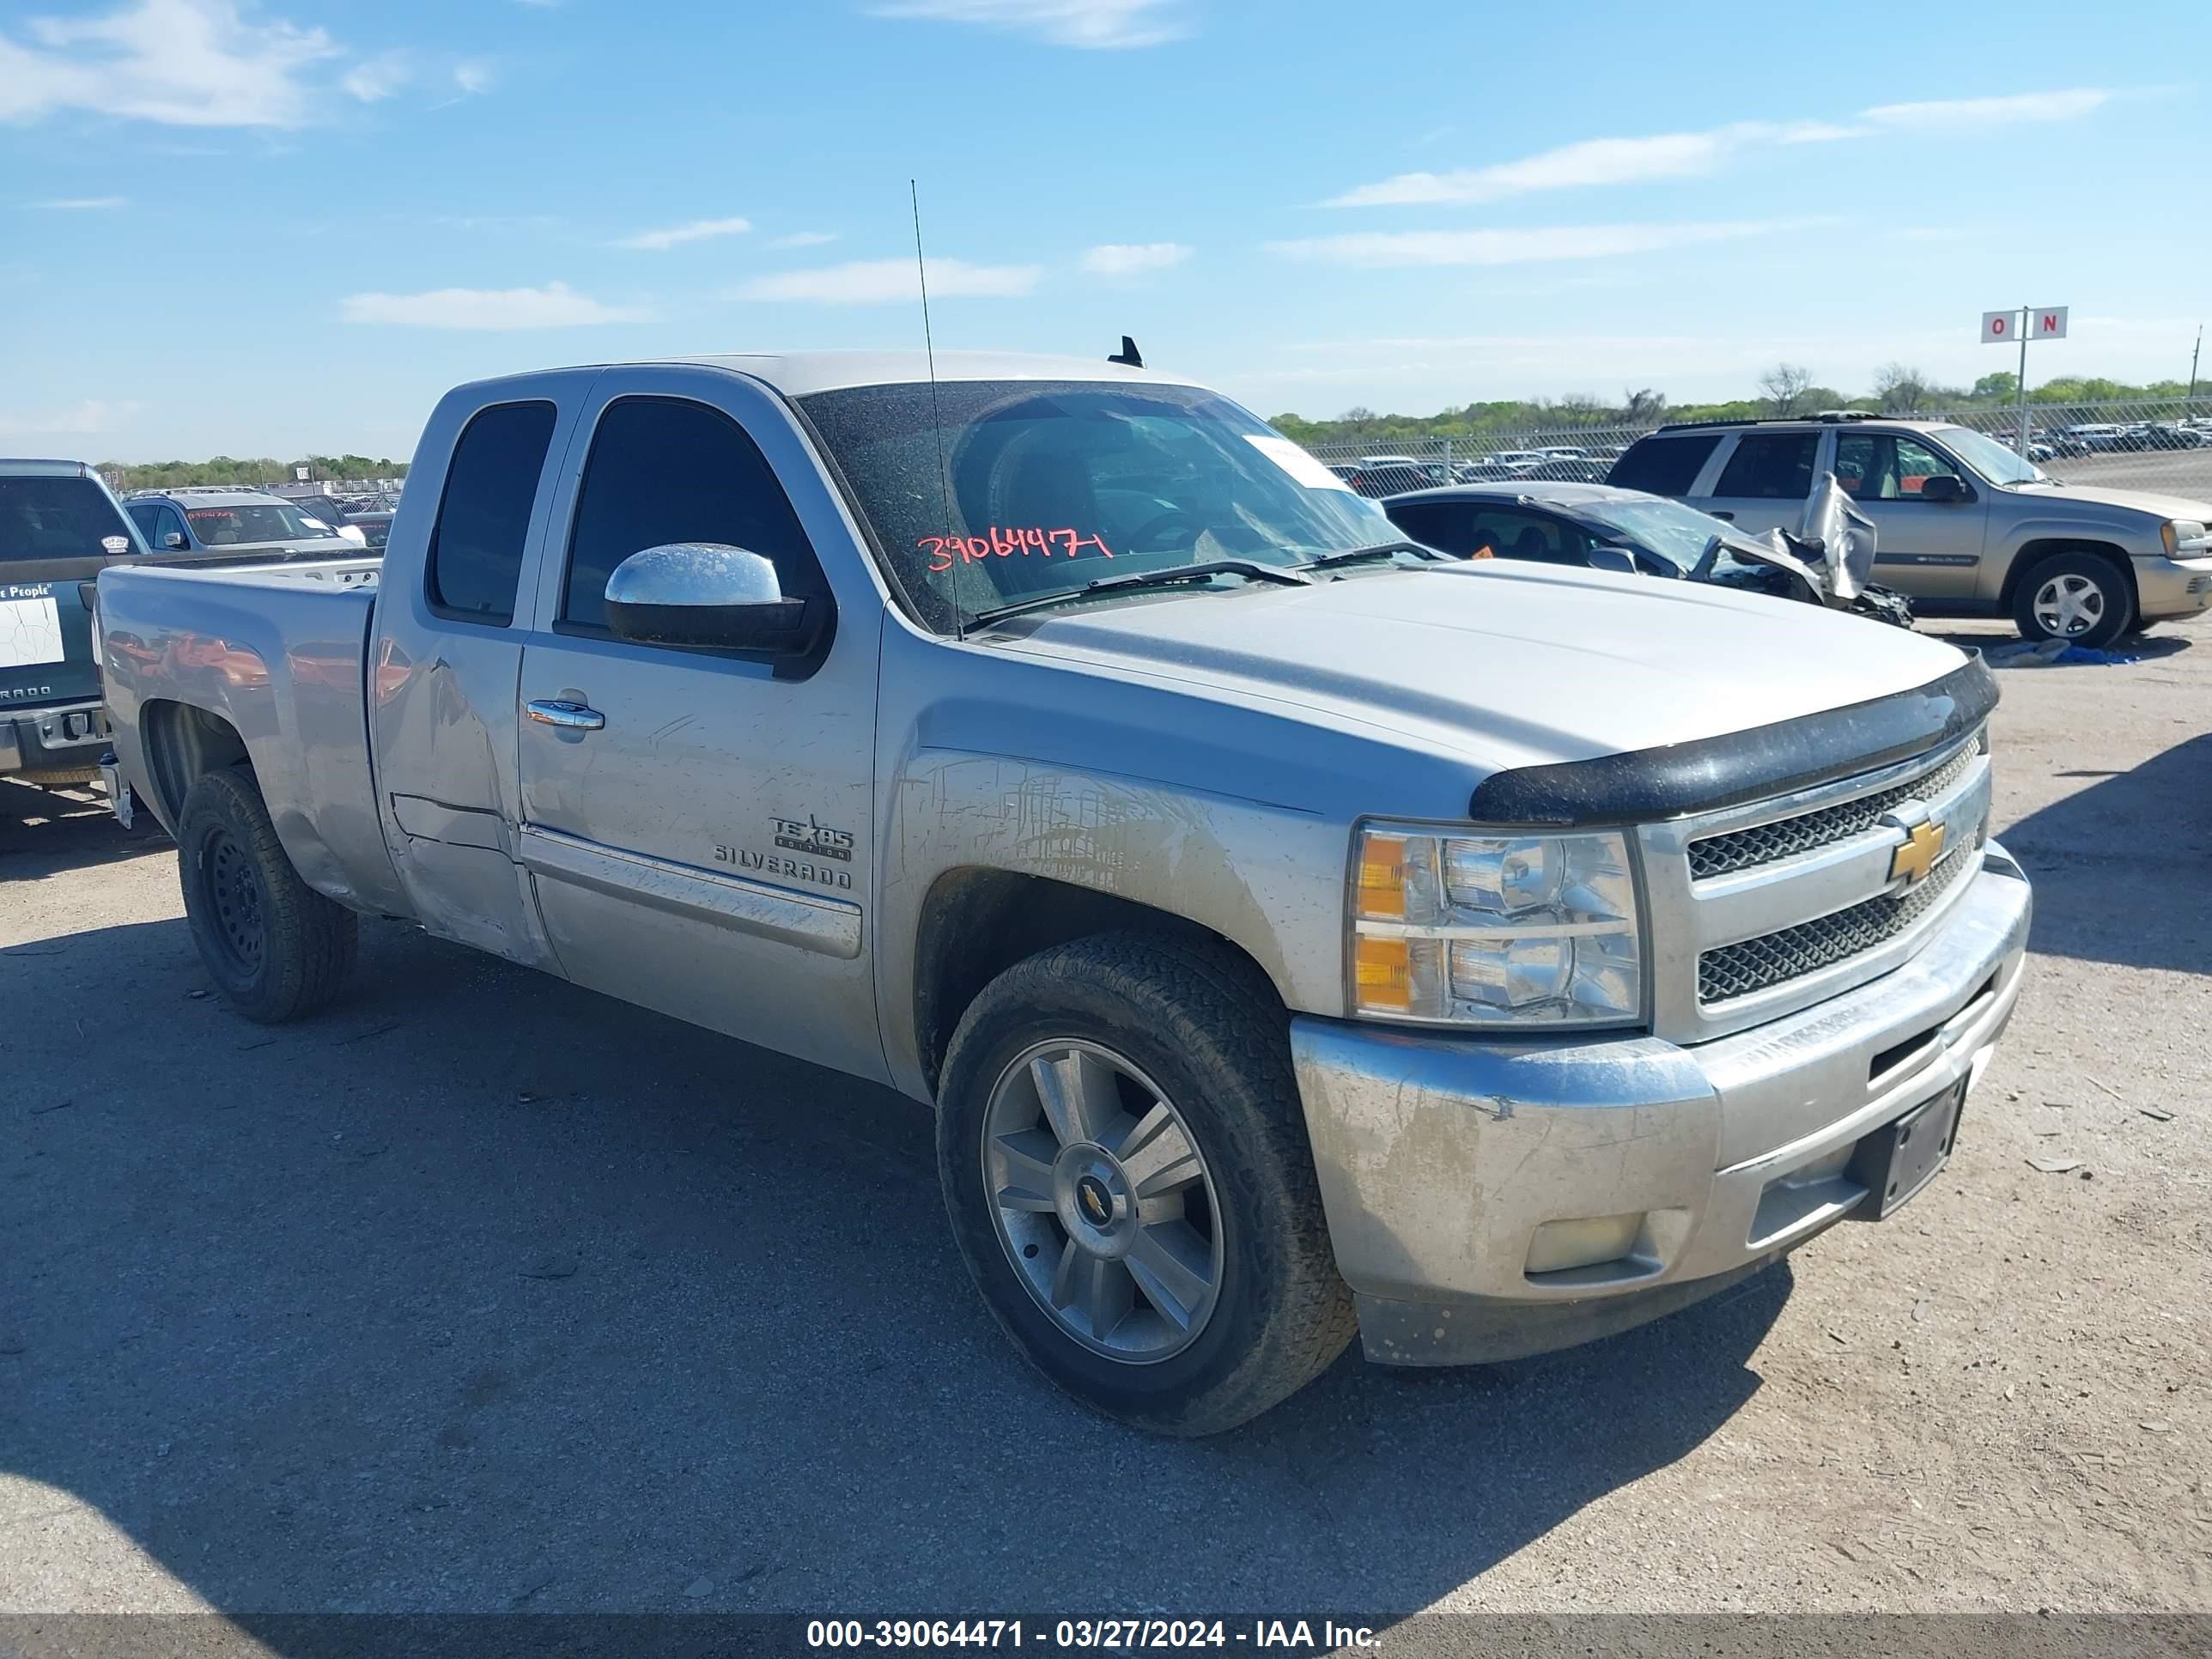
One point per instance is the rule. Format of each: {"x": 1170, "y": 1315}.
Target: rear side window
{"x": 665, "y": 470}
{"x": 1770, "y": 466}
{"x": 1663, "y": 466}
{"x": 483, "y": 518}
{"x": 58, "y": 519}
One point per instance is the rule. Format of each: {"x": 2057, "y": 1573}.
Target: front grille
{"x": 1764, "y": 843}
{"x": 1756, "y": 964}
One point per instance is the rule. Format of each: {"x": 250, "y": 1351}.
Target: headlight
{"x": 2183, "y": 539}
{"x": 1495, "y": 930}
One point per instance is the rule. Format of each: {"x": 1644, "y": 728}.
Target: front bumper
{"x": 2173, "y": 587}
{"x": 58, "y": 740}
{"x": 1441, "y": 1158}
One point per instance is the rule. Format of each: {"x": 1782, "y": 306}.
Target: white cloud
{"x": 472, "y": 78}
{"x": 1129, "y": 259}
{"x": 377, "y": 77}
{"x": 85, "y": 203}
{"x": 1957, "y": 113}
{"x": 880, "y": 282}
{"x": 1694, "y": 155}
{"x": 698, "y": 230}
{"x": 88, "y": 417}
{"x": 184, "y": 63}
{"x": 1096, "y": 24}
{"x": 804, "y": 238}
{"x": 1376, "y": 250}
{"x": 553, "y": 305}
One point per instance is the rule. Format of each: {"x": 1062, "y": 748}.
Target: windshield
{"x": 1047, "y": 486}
{"x": 1665, "y": 530}
{"x": 255, "y": 521}
{"x": 59, "y": 518}
{"x": 1987, "y": 457}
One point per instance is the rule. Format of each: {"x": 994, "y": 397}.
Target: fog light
{"x": 1588, "y": 1242}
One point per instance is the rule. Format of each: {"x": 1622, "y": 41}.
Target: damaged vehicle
{"x": 1292, "y": 936}
{"x": 1599, "y": 527}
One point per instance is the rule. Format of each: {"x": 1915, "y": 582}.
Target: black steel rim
{"x": 234, "y": 897}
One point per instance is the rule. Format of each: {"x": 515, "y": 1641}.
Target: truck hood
{"x": 1504, "y": 664}
{"x": 2132, "y": 501}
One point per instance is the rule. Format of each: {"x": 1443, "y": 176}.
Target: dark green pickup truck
{"x": 59, "y": 526}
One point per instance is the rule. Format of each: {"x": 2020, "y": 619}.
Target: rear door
{"x": 55, "y": 533}
{"x": 1762, "y": 481}
{"x": 1930, "y": 550}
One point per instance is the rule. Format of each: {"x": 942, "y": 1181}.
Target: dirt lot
{"x": 485, "y": 1293}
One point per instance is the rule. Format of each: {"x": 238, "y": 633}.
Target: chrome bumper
{"x": 1440, "y": 1158}
{"x": 2174, "y": 588}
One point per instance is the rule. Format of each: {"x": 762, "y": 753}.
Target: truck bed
{"x": 278, "y": 654}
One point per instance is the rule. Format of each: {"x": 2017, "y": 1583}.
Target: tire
{"x": 1197, "y": 1035}
{"x": 2090, "y": 590}
{"x": 276, "y": 947}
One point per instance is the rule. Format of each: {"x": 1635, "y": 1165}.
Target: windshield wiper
{"x": 1355, "y": 555}
{"x": 1251, "y": 569}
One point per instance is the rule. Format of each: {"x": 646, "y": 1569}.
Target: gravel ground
{"x": 484, "y": 1292}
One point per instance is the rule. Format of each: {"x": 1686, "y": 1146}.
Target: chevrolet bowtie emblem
{"x": 1924, "y": 845}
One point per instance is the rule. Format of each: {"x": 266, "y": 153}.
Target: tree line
{"x": 1786, "y": 389}
{"x": 260, "y": 470}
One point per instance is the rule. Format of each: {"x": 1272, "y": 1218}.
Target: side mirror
{"x": 1942, "y": 487}
{"x": 705, "y": 594}
{"x": 1606, "y": 556}
{"x": 174, "y": 541}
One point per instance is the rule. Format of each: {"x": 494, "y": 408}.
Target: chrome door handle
{"x": 568, "y": 716}
{"x": 1730, "y": 516}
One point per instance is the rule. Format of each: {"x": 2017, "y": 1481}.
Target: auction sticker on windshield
{"x": 1296, "y": 462}
{"x": 30, "y": 628}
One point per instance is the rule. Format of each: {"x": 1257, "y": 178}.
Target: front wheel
{"x": 1125, "y": 1163}
{"x": 276, "y": 948}
{"x": 2076, "y": 597}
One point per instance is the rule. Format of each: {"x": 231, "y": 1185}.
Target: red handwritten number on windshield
{"x": 943, "y": 550}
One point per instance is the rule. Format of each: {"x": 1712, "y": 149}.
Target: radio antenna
{"x": 937, "y": 421}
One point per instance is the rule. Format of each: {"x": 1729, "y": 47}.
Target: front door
{"x": 697, "y": 822}
{"x": 1930, "y": 550}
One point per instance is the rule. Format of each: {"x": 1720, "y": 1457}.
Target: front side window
{"x": 146, "y": 515}
{"x": 1511, "y": 533}
{"x": 68, "y": 518}
{"x": 1875, "y": 466}
{"x": 988, "y": 492}
{"x": 664, "y": 470}
{"x": 1770, "y": 466}
{"x": 474, "y": 560}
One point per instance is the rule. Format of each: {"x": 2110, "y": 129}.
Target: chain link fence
{"x": 2160, "y": 447}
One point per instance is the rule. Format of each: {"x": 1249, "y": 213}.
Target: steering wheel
{"x": 1141, "y": 539}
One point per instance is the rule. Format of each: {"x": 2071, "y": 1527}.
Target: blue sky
{"x": 286, "y": 227}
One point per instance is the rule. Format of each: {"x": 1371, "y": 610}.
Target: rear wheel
{"x": 2076, "y": 597}
{"x": 1125, "y": 1160}
{"x": 277, "y": 948}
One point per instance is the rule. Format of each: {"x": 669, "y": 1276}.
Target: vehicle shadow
{"x": 45, "y": 830}
{"x": 2144, "y": 648}
{"x": 485, "y": 1293}
{"x": 2119, "y": 866}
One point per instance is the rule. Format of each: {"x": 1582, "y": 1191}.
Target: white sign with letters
{"x": 2043, "y": 323}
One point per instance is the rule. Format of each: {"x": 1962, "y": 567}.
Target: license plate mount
{"x": 1902, "y": 1157}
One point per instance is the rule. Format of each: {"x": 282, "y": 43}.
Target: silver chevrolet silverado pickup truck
{"x": 1293, "y": 932}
